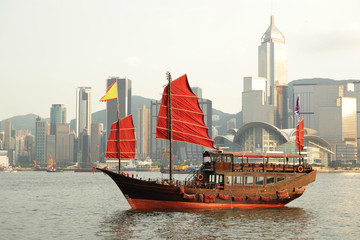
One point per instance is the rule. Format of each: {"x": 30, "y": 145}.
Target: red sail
{"x": 127, "y": 139}
{"x": 187, "y": 118}
{"x": 300, "y": 135}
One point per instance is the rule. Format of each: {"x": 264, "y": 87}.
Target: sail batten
{"x": 127, "y": 139}
{"x": 187, "y": 118}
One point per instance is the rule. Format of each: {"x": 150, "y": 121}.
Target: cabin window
{"x": 212, "y": 178}
{"x": 237, "y": 180}
{"x": 228, "y": 180}
{"x": 249, "y": 180}
{"x": 259, "y": 180}
{"x": 280, "y": 179}
{"x": 221, "y": 179}
{"x": 216, "y": 178}
{"x": 237, "y": 160}
{"x": 270, "y": 180}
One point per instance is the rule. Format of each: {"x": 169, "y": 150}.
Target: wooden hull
{"x": 142, "y": 194}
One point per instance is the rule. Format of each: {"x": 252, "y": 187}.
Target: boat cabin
{"x": 240, "y": 169}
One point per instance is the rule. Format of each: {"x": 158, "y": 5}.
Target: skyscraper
{"x": 41, "y": 131}
{"x": 83, "y": 109}
{"x": 57, "y": 116}
{"x": 62, "y": 140}
{"x": 265, "y": 96}
{"x": 331, "y": 110}
{"x": 273, "y": 67}
{"x": 124, "y": 100}
{"x": 273, "y": 61}
{"x": 96, "y": 132}
{"x": 142, "y": 132}
{"x": 8, "y": 137}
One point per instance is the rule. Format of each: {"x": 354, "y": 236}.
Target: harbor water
{"x": 69, "y": 205}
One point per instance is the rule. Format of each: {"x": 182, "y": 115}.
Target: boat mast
{"x": 119, "y": 152}
{"x": 168, "y": 75}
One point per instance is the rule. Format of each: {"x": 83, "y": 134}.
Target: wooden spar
{"x": 119, "y": 152}
{"x": 170, "y": 127}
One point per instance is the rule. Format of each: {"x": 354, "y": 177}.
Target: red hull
{"x": 144, "y": 204}
{"x": 142, "y": 194}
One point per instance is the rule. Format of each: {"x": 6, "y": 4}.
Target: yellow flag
{"x": 110, "y": 94}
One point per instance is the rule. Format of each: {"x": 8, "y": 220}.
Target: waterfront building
{"x": 264, "y": 137}
{"x": 255, "y": 107}
{"x": 73, "y": 149}
{"x": 231, "y": 124}
{"x": 2, "y": 139}
{"x": 83, "y": 110}
{"x": 124, "y": 100}
{"x": 83, "y": 113}
{"x": 8, "y": 143}
{"x": 30, "y": 146}
{"x": 142, "y": 132}
{"x": 96, "y": 134}
{"x": 62, "y": 140}
{"x": 57, "y": 116}
{"x": 156, "y": 145}
{"x": 331, "y": 109}
{"x": 50, "y": 146}
{"x": 85, "y": 148}
{"x": 41, "y": 131}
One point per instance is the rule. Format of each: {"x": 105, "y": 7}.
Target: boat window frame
{"x": 248, "y": 177}
{"x": 283, "y": 179}
{"x": 241, "y": 180}
{"x": 256, "y": 180}
{"x": 227, "y": 180}
{"x": 269, "y": 177}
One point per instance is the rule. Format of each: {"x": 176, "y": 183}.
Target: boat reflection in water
{"x": 270, "y": 223}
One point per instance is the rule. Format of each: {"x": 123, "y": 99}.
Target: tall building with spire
{"x": 265, "y": 96}
{"x": 272, "y": 65}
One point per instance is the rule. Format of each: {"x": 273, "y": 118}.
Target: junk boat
{"x": 225, "y": 179}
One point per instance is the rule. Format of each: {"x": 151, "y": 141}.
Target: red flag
{"x": 300, "y": 135}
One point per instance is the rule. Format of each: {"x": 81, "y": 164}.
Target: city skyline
{"x": 55, "y": 48}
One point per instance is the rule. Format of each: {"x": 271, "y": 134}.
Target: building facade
{"x": 83, "y": 110}
{"x": 142, "y": 132}
{"x": 96, "y": 134}
{"x": 57, "y": 116}
{"x": 41, "y": 131}
{"x": 331, "y": 109}
{"x": 62, "y": 139}
{"x": 8, "y": 143}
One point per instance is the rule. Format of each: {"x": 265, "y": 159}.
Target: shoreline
{"x": 332, "y": 170}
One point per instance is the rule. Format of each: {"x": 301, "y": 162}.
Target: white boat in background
{"x": 9, "y": 169}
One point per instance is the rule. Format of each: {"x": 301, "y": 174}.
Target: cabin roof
{"x": 254, "y": 154}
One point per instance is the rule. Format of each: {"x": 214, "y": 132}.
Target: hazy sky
{"x": 48, "y": 48}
